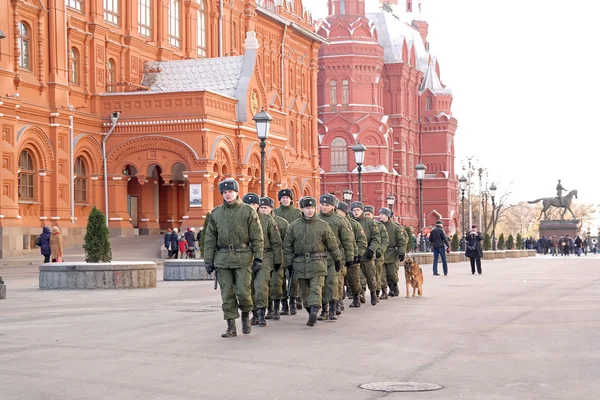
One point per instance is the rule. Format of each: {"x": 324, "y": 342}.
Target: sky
{"x": 523, "y": 78}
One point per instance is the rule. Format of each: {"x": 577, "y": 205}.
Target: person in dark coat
{"x": 474, "y": 250}
{"x": 174, "y": 244}
{"x": 190, "y": 237}
{"x": 45, "y": 244}
{"x": 439, "y": 241}
{"x": 167, "y": 242}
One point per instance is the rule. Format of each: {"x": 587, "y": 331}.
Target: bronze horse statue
{"x": 555, "y": 202}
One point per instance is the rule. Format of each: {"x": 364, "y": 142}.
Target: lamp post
{"x": 359, "y": 155}
{"x": 390, "y": 201}
{"x": 263, "y": 123}
{"x": 492, "y": 191}
{"x": 347, "y": 196}
{"x": 463, "y": 186}
{"x": 420, "y": 176}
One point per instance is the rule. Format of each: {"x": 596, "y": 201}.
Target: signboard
{"x": 196, "y": 195}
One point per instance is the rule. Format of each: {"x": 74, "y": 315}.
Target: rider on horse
{"x": 559, "y": 190}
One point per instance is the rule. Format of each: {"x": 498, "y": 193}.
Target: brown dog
{"x": 414, "y": 277}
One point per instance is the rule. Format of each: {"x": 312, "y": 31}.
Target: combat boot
{"x": 362, "y": 297}
{"x": 292, "y": 307}
{"x": 396, "y": 290}
{"x": 230, "y": 332}
{"x": 324, "y": 313}
{"x": 339, "y": 307}
{"x": 384, "y": 295}
{"x": 270, "y": 313}
{"x": 391, "y": 292}
{"x": 254, "y": 319}
{"x": 299, "y": 303}
{"x": 285, "y": 310}
{"x": 355, "y": 302}
{"x": 276, "y": 310}
{"x": 374, "y": 299}
{"x": 246, "y": 328}
{"x": 312, "y": 317}
{"x": 332, "y": 313}
{"x": 261, "y": 317}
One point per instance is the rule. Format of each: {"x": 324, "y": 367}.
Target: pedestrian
{"x": 174, "y": 244}
{"x": 305, "y": 251}
{"x": 182, "y": 243}
{"x": 56, "y": 245}
{"x": 578, "y": 246}
{"x": 367, "y": 261}
{"x": 474, "y": 250}
{"x": 167, "y": 242}
{"x": 190, "y": 238}
{"x": 555, "y": 244}
{"x": 439, "y": 241}
{"x": 394, "y": 253}
{"x": 44, "y": 241}
{"x": 233, "y": 247}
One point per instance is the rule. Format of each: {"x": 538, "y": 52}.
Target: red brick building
{"x": 380, "y": 85}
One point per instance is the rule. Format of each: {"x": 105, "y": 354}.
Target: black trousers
{"x": 46, "y": 258}
{"x": 473, "y": 261}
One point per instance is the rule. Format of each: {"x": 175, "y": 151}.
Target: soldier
{"x": 394, "y": 253}
{"x": 290, "y": 213}
{"x": 233, "y": 247}
{"x": 271, "y": 260}
{"x": 379, "y": 253}
{"x": 360, "y": 245}
{"x": 367, "y": 264}
{"x": 277, "y": 275}
{"x": 305, "y": 248}
{"x": 345, "y": 238}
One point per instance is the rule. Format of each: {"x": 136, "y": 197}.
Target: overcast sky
{"x": 523, "y": 76}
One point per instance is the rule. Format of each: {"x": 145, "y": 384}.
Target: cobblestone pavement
{"x": 525, "y": 329}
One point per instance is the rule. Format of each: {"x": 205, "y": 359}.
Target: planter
{"x": 512, "y": 253}
{"x": 523, "y": 253}
{"x": 423, "y": 258}
{"x": 531, "y": 253}
{"x": 500, "y": 254}
{"x": 115, "y": 275}
{"x": 185, "y": 270}
{"x": 2, "y": 291}
{"x": 489, "y": 255}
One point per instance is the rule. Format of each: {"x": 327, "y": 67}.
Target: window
{"x": 201, "y": 21}
{"x": 303, "y": 84}
{"x": 111, "y": 11}
{"x": 145, "y": 17}
{"x": 428, "y": 103}
{"x": 174, "y": 35}
{"x": 345, "y": 92}
{"x": 333, "y": 93}
{"x": 292, "y": 135}
{"x": 342, "y": 6}
{"x": 304, "y": 138}
{"x": 24, "y": 45}
{"x": 26, "y": 176}
{"x": 75, "y": 4}
{"x": 339, "y": 155}
{"x": 233, "y": 36}
{"x": 74, "y": 66}
{"x": 80, "y": 181}
{"x": 110, "y": 75}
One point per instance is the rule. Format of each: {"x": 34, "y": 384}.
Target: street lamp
{"x": 420, "y": 176}
{"x": 263, "y": 123}
{"x": 492, "y": 191}
{"x": 463, "y": 186}
{"x": 359, "y": 155}
{"x": 347, "y": 196}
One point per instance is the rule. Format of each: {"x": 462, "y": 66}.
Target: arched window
{"x": 339, "y": 155}
{"x": 145, "y": 17}
{"x": 404, "y": 158}
{"x": 26, "y": 176}
{"x": 428, "y": 103}
{"x": 342, "y": 6}
{"x": 292, "y": 135}
{"x": 345, "y": 92}
{"x": 333, "y": 93}
{"x": 174, "y": 28}
{"x": 111, "y": 71}
{"x": 80, "y": 181}
{"x": 24, "y": 43}
{"x": 304, "y": 138}
{"x": 303, "y": 88}
{"x": 234, "y": 36}
{"x": 74, "y": 65}
{"x": 201, "y": 32}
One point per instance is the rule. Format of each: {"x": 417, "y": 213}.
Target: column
{"x": 118, "y": 217}
{"x": 147, "y": 221}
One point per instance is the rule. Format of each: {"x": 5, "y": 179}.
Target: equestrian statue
{"x": 558, "y": 202}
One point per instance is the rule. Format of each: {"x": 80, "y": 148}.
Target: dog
{"x": 414, "y": 277}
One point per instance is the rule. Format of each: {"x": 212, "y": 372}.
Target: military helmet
{"x": 343, "y": 207}
{"x": 285, "y": 192}
{"x": 327, "y": 199}
{"x": 369, "y": 209}
{"x": 251, "y": 198}
{"x": 308, "y": 201}
{"x": 385, "y": 211}
{"x": 228, "y": 184}
{"x": 267, "y": 201}
{"x": 357, "y": 204}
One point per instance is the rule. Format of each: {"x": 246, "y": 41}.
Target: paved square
{"x": 525, "y": 329}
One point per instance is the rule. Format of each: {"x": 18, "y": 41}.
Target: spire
{"x": 431, "y": 81}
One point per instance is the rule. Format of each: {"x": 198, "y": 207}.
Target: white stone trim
{"x": 1, "y": 216}
{"x": 43, "y": 218}
{"x": 144, "y": 220}
{"x": 18, "y": 217}
{"x": 54, "y": 125}
{"x": 170, "y": 220}
{"x": 94, "y": 178}
{"x": 117, "y": 178}
{"x": 54, "y": 218}
{"x": 116, "y": 219}
{"x": 186, "y": 217}
{"x": 42, "y": 174}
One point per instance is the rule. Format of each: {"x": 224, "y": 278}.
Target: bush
{"x": 519, "y": 241}
{"x": 510, "y": 243}
{"x": 97, "y": 245}
{"x": 487, "y": 242}
{"x": 454, "y": 243}
{"x": 501, "y": 242}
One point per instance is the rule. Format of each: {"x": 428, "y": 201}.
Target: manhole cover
{"x": 401, "y": 386}
{"x": 201, "y": 310}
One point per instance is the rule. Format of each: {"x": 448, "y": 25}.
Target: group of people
{"x": 181, "y": 246}
{"x": 273, "y": 261}
{"x": 563, "y": 245}
{"x": 51, "y": 244}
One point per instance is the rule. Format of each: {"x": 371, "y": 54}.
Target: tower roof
{"x": 431, "y": 81}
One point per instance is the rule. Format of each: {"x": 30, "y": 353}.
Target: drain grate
{"x": 198, "y": 310}
{"x": 401, "y": 386}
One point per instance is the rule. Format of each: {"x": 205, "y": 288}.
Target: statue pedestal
{"x": 559, "y": 228}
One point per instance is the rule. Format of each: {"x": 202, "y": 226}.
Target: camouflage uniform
{"x": 394, "y": 253}
{"x": 354, "y": 272}
{"x": 278, "y": 277}
{"x": 367, "y": 263}
{"x": 380, "y": 261}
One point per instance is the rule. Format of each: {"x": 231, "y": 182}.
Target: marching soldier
{"x": 305, "y": 248}
{"x": 345, "y": 238}
{"x": 290, "y": 213}
{"x": 360, "y": 246}
{"x": 233, "y": 248}
{"x": 367, "y": 263}
{"x": 379, "y": 254}
{"x": 271, "y": 259}
{"x": 277, "y": 275}
{"x": 394, "y": 253}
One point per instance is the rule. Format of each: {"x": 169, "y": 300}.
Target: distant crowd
{"x": 563, "y": 245}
